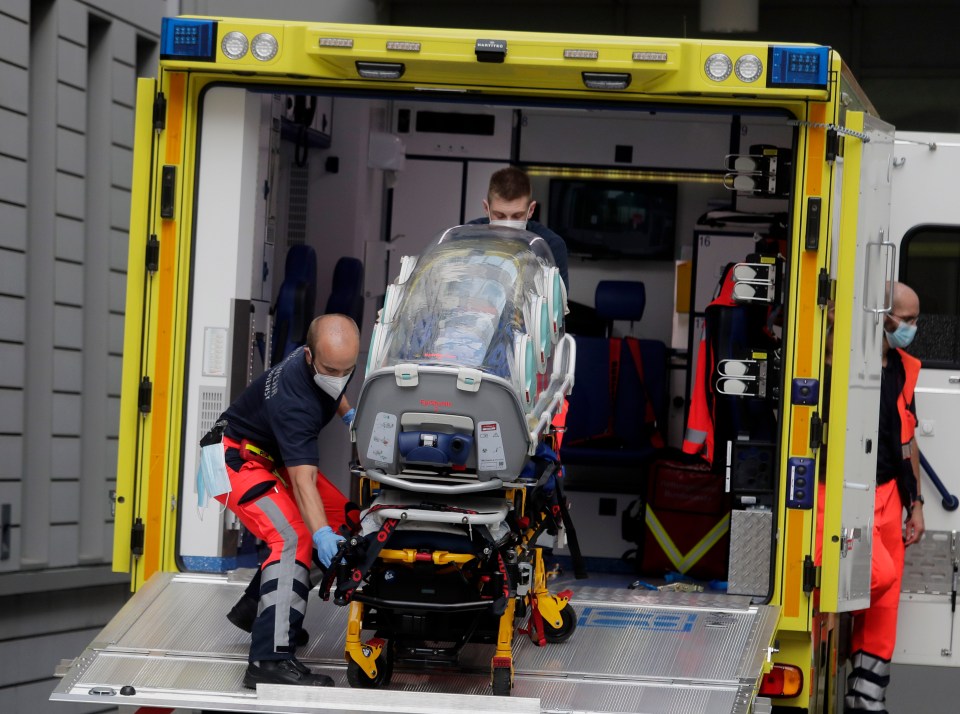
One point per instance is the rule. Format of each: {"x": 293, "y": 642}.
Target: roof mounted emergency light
{"x": 380, "y": 70}
{"x": 718, "y": 66}
{"x": 188, "y": 39}
{"x": 264, "y": 47}
{"x": 748, "y": 68}
{"x": 234, "y": 45}
{"x": 799, "y": 67}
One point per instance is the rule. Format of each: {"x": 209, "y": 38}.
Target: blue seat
{"x": 612, "y": 427}
{"x": 346, "y": 289}
{"x": 296, "y": 302}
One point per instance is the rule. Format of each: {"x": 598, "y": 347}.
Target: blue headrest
{"x": 346, "y": 291}
{"x": 620, "y": 299}
{"x": 301, "y": 264}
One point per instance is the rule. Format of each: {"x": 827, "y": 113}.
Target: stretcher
{"x": 467, "y": 372}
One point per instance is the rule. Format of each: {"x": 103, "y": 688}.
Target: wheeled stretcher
{"x": 465, "y": 384}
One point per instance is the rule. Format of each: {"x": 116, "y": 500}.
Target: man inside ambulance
{"x": 510, "y": 203}
{"x": 268, "y": 449}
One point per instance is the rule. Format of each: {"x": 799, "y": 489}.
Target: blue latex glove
{"x": 348, "y": 417}
{"x": 326, "y": 542}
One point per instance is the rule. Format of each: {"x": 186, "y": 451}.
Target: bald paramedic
{"x": 270, "y": 446}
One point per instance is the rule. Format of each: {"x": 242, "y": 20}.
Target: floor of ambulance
{"x": 634, "y": 649}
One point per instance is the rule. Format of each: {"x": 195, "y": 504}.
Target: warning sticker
{"x": 490, "y": 456}
{"x": 383, "y": 438}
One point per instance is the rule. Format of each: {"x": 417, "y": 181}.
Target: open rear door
{"x": 865, "y": 260}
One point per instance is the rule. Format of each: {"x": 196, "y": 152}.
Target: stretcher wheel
{"x": 501, "y": 681}
{"x": 568, "y": 624}
{"x": 358, "y": 679}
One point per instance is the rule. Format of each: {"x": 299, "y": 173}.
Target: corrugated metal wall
{"x": 67, "y": 82}
{"x": 68, "y": 74}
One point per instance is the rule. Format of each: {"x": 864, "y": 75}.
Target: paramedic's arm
{"x": 344, "y": 410}
{"x": 303, "y": 480}
{"x": 914, "y": 525}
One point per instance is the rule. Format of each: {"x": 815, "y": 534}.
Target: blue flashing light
{"x": 188, "y": 39}
{"x": 798, "y": 67}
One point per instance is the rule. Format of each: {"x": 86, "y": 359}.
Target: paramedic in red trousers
{"x": 898, "y": 490}
{"x": 278, "y": 417}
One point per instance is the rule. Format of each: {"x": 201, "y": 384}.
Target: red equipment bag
{"x": 686, "y": 522}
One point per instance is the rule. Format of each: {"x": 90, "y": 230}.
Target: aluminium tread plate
{"x": 631, "y": 652}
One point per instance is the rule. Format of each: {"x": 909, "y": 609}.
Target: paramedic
{"x": 270, "y": 444}
{"x": 898, "y": 487}
{"x": 510, "y": 203}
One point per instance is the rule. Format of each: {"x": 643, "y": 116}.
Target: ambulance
{"x": 285, "y": 169}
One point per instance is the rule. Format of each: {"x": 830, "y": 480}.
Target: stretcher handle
{"x": 335, "y": 571}
{"x": 472, "y": 487}
{"x": 949, "y": 501}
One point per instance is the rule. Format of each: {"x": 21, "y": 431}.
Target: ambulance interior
{"x": 654, "y": 204}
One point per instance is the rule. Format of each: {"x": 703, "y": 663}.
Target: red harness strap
{"x": 650, "y": 417}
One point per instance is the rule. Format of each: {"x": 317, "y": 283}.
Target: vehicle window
{"x": 930, "y": 264}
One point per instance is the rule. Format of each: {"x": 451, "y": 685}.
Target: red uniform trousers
{"x": 264, "y": 503}
{"x": 875, "y": 629}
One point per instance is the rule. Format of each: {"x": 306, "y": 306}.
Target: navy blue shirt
{"x": 556, "y": 243}
{"x": 282, "y": 411}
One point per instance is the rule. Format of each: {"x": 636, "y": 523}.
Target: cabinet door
{"x": 427, "y": 199}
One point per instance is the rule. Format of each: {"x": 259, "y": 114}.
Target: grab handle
{"x": 949, "y": 501}
{"x": 888, "y": 274}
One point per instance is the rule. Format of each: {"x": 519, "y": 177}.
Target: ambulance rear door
{"x": 863, "y": 262}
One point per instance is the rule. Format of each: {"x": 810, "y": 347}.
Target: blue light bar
{"x": 798, "y": 67}
{"x": 188, "y": 39}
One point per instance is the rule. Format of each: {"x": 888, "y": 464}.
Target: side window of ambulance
{"x": 930, "y": 264}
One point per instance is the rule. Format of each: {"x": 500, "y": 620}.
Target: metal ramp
{"x": 172, "y": 646}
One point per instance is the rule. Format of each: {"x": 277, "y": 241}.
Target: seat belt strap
{"x": 633, "y": 344}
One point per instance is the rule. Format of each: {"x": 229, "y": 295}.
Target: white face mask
{"x": 333, "y": 386}
{"x": 522, "y": 225}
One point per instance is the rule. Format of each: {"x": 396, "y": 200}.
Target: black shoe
{"x": 283, "y": 671}
{"x": 245, "y": 612}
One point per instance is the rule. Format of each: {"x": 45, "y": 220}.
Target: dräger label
{"x": 490, "y": 456}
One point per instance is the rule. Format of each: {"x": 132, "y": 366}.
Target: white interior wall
{"x": 344, "y": 215}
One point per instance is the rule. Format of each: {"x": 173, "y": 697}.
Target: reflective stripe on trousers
{"x": 285, "y": 574}
{"x": 867, "y": 684}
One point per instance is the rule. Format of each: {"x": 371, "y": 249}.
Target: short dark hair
{"x": 509, "y": 184}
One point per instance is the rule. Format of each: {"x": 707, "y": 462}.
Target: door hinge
{"x": 136, "y": 538}
{"x": 145, "y": 398}
{"x": 812, "y": 235}
{"x": 168, "y": 185}
{"x": 810, "y": 575}
{"x": 159, "y": 112}
{"x": 833, "y": 144}
{"x": 823, "y": 288}
{"x": 816, "y": 431}
{"x": 153, "y": 254}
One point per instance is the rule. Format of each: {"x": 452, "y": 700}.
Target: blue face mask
{"x": 902, "y": 336}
